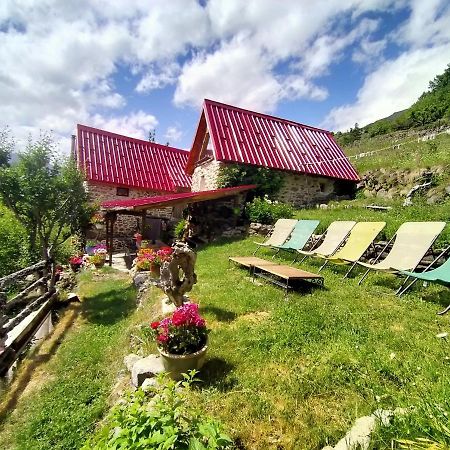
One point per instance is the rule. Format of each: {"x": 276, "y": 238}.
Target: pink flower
{"x": 162, "y": 338}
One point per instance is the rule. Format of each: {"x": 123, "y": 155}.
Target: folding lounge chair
{"x": 336, "y": 233}
{"x": 359, "y": 240}
{"x": 301, "y": 234}
{"x": 440, "y": 275}
{"x": 412, "y": 241}
{"x": 281, "y": 232}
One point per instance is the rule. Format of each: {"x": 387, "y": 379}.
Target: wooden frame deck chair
{"x": 359, "y": 240}
{"x": 412, "y": 242}
{"x": 301, "y": 234}
{"x": 335, "y": 235}
{"x": 281, "y": 232}
{"x": 439, "y": 275}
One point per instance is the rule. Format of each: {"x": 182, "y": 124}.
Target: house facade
{"x": 118, "y": 167}
{"x": 313, "y": 167}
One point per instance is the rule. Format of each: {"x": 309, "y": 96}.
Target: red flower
{"x": 154, "y": 325}
{"x": 162, "y": 338}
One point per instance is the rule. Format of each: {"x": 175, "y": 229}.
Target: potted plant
{"x": 182, "y": 340}
{"x": 76, "y": 262}
{"x": 98, "y": 220}
{"x": 90, "y": 246}
{"x": 98, "y": 260}
{"x": 151, "y": 260}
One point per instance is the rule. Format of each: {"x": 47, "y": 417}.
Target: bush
{"x": 160, "y": 418}
{"x": 179, "y": 229}
{"x": 263, "y": 210}
{"x": 14, "y": 251}
{"x": 268, "y": 181}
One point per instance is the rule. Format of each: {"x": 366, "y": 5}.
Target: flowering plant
{"x": 183, "y": 333}
{"x": 148, "y": 258}
{"x": 76, "y": 260}
{"x": 97, "y": 258}
{"x": 97, "y": 218}
{"x": 100, "y": 249}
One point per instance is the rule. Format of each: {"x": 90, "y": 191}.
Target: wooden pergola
{"x": 138, "y": 207}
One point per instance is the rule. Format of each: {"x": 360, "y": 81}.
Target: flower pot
{"x": 176, "y": 365}
{"x": 99, "y": 265}
{"x": 75, "y": 267}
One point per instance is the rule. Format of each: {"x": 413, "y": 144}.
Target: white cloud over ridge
{"x": 59, "y": 59}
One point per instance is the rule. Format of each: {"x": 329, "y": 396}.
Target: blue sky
{"x": 133, "y": 65}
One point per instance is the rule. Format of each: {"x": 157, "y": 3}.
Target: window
{"x": 124, "y": 192}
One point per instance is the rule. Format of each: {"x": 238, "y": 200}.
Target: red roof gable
{"x": 120, "y": 160}
{"x": 248, "y": 137}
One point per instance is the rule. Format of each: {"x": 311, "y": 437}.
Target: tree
{"x": 45, "y": 193}
{"x": 6, "y": 146}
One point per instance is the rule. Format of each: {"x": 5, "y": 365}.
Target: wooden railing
{"x": 34, "y": 293}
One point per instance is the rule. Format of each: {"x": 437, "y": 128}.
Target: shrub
{"x": 268, "y": 181}
{"x": 263, "y": 210}
{"x": 14, "y": 252}
{"x": 160, "y": 418}
{"x": 179, "y": 229}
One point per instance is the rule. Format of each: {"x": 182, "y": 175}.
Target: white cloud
{"x": 393, "y": 86}
{"x": 173, "y": 134}
{"x": 158, "y": 77}
{"x": 137, "y": 124}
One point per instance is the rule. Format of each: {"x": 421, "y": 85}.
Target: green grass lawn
{"x": 295, "y": 373}
{"x": 69, "y": 391}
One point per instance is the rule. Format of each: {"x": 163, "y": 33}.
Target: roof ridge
{"x": 129, "y": 138}
{"x": 269, "y": 116}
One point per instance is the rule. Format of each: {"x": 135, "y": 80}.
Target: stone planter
{"x": 176, "y": 365}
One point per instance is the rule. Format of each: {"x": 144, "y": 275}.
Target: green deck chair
{"x": 359, "y": 240}
{"x": 335, "y": 235}
{"x": 440, "y": 275}
{"x": 301, "y": 234}
{"x": 412, "y": 241}
{"x": 281, "y": 232}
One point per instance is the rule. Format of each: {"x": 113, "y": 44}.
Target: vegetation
{"x": 170, "y": 423}
{"x": 263, "y": 210}
{"x": 46, "y": 195}
{"x": 268, "y": 181}
{"x": 432, "y": 108}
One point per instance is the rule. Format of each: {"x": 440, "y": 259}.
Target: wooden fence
{"x": 26, "y": 298}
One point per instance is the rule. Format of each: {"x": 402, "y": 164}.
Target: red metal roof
{"x": 172, "y": 199}
{"x": 123, "y": 161}
{"x": 248, "y": 137}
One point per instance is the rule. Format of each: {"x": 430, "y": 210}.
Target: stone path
{"x": 118, "y": 262}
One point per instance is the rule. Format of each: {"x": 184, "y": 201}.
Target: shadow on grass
{"x": 214, "y": 374}
{"x": 222, "y": 315}
{"x": 107, "y": 308}
{"x": 43, "y": 354}
{"x": 442, "y": 297}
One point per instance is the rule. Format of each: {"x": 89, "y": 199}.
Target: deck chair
{"x": 281, "y": 232}
{"x": 359, "y": 240}
{"x": 440, "y": 275}
{"x": 412, "y": 241}
{"x": 336, "y": 233}
{"x": 301, "y": 234}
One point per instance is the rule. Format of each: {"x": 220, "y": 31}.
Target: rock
{"x": 130, "y": 360}
{"x": 323, "y": 206}
{"x": 139, "y": 279}
{"x": 146, "y": 368}
{"x": 149, "y": 383}
{"x": 433, "y": 199}
{"x": 447, "y": 190}
{"x": 72, "y": 297}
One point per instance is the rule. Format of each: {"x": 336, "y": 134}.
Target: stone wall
{"x": 298, "y": 189}
{"x": 125, "y": 226}
{"x": 205, "y": 176}
{"x": 302, "y": 190}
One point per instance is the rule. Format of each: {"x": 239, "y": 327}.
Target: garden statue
{"x": 177, "y": 275}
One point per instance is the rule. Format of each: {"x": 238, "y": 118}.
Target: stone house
{"x": 313, "y": 166}
{"x": 119, "y": 167}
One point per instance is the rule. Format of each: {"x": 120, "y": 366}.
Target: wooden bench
{"x": 280, "y": 274}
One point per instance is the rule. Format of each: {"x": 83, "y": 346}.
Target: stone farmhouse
{"x": 118, "y": 167}
{"x": 313, "y": 166}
